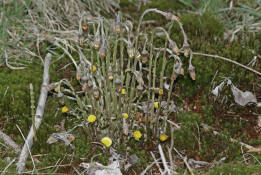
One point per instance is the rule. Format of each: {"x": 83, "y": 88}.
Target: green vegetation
{"x": 205, "y": 31}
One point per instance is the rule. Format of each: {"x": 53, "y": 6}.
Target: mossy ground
{"x": 205, "y": 35}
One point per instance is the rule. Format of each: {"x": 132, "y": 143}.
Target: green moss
{"x": 237, "y": 168}
{"x": 165, "y": 5}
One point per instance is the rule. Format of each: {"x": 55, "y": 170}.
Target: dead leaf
{"x": 243, "y": 98}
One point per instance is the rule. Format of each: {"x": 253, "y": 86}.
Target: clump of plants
{"x": 123, "y": 92}
{"x": 120, "y": 95}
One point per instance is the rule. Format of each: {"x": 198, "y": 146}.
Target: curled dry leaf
{"x": 99, "y": 169}
{"x": 218, "y": 89}
{"x": 62, "y": 137}
{"x": 243, "y": 98}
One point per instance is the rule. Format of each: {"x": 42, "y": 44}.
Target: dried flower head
{"x": 97, "y": 42}
{"x": 102, "y": 52}
{"x": 130, "y": 51}
{"x": 173, "y": 46}
{"x": 192, "y": 72}
{"x": 118, "y": 24}
{"x": 84, "y": 27}
{"x": 186, "y": 50}
{"x": 84, "y": 87}
{"x": 61, "y": 101}
{"x": 106, "y": 141}
{"x": 144, "y": 56}
{"x": 78, "y": 73}
{"x": 96, "y": 93}
{"x": 81, "y": 39}
{"x": 91, "y": 118}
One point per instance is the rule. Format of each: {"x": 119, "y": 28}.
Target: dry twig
{"x": 38, "y": 116}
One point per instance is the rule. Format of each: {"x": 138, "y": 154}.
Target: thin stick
{"x": 228, "y": 60}
{"x": 163, "y": 160}
{"x": 10, "y": 142}
{"x": 185, "y": 161}
{"x": 148, "y": 167}
{"x": 38, "y": 116}
{"x": 4, "y": 171}
{"x": 157, "y": 163}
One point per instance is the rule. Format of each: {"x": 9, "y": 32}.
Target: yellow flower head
{"x": 137, "y": 135}
{"x": 94, "y": 68}
{"x": 163, "y": 137}
{"x": 65, "y": 109}
{"x": 106, "y": 141}
{"x": 156, "y": 105}
{"x": 125, "y": 115}
{"x": 123, "y": 92}
{"x": 56, "y": 89}
{"x": 160, "y": 91}
{"x": 91, "y": 118}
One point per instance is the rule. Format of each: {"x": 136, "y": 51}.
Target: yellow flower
{"x": 94, "y": 68}
{"x": 156, "y": 105}
{"x": 65, "y": 109}
{"x": 106, "y": 141}
{"x": 163, "y": 137}
{"x": 123, "y": 92}
{"x": 56, "y": 89}
{"x": 137, "y": 135}
{"x": 91, "y": 118}
{"x": 160, "y": 91}
{"x": 125, "y": 115}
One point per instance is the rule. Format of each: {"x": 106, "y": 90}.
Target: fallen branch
{"x": 38, "y": 116}
{"x": 8, "y": 141}
{"x": 164, "y": 160}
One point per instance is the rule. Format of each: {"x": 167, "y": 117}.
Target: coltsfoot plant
{"x": 121, "y": 95}
{"x": 123, "y": 92}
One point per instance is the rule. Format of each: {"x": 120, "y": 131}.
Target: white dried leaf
{"x": 66, "y": 138}
{"x": 243, "y": 98}
{"x": 99, "y": 169}
{"x": 197, "y": 164}
{"x": 166, "y": 86}
{"x": 218, "y": 89}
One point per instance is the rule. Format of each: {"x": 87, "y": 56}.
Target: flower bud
{"x": 84, "y": 87}
{"x": 81, "y": 39}
{"x": 130, "y": 51}
{"x": 192, "y": 72}
{"x": 186, "y": 50}
{"x": 102, "y": 52}
{"x": 97, "y": 42}
{"x": 171, "y": 17}
{"x": 173, "y": 46}
{"x": 117, "y": 28}
{"x": 84, "y": 27}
